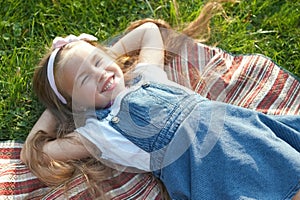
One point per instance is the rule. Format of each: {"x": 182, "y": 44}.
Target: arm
{"x": 148, "y": 39}
{"x": 46, "y": 123}
{"x": 58, "y": 149}
{"x": 65, "y": 149}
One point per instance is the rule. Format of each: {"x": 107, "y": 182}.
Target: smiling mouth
{"x": 108, "y": 84}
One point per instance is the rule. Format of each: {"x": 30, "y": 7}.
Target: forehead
{"x": 78, "y": 51}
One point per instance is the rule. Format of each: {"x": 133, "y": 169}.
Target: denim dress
{"x": 202, "y": 149}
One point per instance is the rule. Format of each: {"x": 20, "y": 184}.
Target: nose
{"x": 100, "y": 73}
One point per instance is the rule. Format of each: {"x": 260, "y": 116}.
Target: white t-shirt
{"x": 114, "y": 147}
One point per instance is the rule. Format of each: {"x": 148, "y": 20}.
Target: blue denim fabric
{"x": 202, "y": 149}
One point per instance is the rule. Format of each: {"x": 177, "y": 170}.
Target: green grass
{"x": 270, "y": 27}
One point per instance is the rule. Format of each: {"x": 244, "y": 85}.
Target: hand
{"x": 46, "y": 125}
{"x": 146, "y": 38}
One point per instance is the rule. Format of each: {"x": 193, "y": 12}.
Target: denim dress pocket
{"x": 143, "y": 113}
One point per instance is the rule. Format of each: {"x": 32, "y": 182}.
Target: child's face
{"x": 90, "y": 76}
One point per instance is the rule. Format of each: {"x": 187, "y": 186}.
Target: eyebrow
{"x": 94, "y": 57}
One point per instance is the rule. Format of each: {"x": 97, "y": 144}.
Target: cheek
{"x": 84, "y": 94}
{"x": 66, "y": 79}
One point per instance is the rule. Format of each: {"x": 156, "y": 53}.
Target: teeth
{"x": 108, "y": 85}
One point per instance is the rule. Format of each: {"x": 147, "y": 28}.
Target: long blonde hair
{"x": 57, "y": 172}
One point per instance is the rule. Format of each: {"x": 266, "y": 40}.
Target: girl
{"x": 199, "y": 149}
{"x": 57, "y": 122}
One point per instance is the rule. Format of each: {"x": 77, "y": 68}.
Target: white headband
{"x": 58, "y": 43}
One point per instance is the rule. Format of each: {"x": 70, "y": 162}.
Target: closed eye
{"x": 83, "y": 80}
{"x": 98, "y": 62}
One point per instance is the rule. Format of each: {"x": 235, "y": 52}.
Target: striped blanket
{"x": 251, "y": 81}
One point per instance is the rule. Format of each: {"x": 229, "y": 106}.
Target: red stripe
{"x": 261, "y": 80}
{"x": 207, "y": 57}
{"x": 273, "y": 93}
{"x": 205, "y": 88}
{"x": 17, "y": 188}
{"x": 222, "y": 83}
{"x": 15, "y": 170}
{"x": 216, "y": 89}
{"x": 247, "y": 71}
{"x": 60, "y": 191}
{"x": 193, "y": 63}
{"x": 117, "y": 182}
{"x": 10, "y": 153}
{"x": 81, "y": 196}
{"x": 251, "y": 87}
{"x": 141, "y": 189}
{"x": 284, "y": 105}
{"x": 132, "y": 191}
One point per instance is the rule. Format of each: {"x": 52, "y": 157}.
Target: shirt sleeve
{"x": 151, "y": 72}
{"x": 113, "y": 146}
